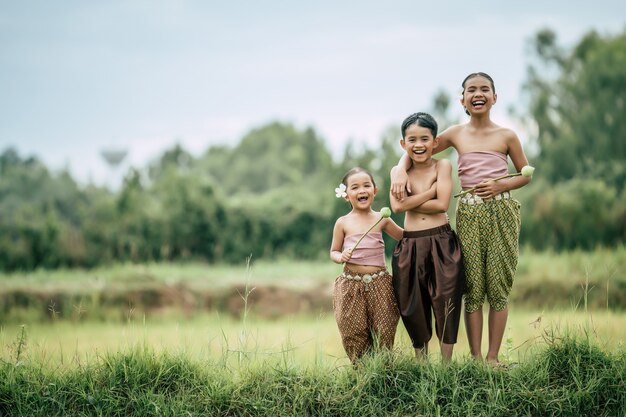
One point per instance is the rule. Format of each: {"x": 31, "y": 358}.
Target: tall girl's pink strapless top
{"x": 477, "y": 166}
{"x": 371, "y": 250}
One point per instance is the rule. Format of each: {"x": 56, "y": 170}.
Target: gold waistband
{"x": 471, "y": 199}
{"x": 366, "y": 278}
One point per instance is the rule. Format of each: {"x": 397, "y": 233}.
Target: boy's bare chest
{"x": 422, "y": 180}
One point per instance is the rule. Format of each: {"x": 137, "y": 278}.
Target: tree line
{"x": 271, "y": 194}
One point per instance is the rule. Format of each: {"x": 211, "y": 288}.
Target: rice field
{"x": 303, "y": 339}
{"x": 567, "y": 348}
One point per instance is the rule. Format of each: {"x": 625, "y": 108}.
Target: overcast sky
{"x": 80, "y": 76}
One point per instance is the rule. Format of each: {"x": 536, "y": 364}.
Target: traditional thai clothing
{"x": 364, "y": 304}
{"x": 428, "y": 279}
{"x": 488, "y": 230}
{"x": 366, "y": 311}
{"x": 371, "y": 250}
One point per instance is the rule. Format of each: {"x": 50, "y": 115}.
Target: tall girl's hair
{"x": 356, "y": 170}
{"x": 478, "y": 74}
{"x": 421, "y": 119}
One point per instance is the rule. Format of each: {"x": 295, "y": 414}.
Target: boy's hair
{"x": 421, "y": 119}
{"x": 356, "y": 170}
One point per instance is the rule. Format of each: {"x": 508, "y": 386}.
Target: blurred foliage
{"x": 271, "y": 195}
{"x": 576, "y": 102}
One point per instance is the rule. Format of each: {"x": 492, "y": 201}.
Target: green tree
{"x": 576, "y": 97}
{"x": 268, "y": 158}
{"x": 41, "y": 215}
{"x": 576, "y": 103}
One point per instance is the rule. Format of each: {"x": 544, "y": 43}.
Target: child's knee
{"x": 498, "y": 301}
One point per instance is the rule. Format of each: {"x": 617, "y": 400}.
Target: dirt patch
{"x": 274, "y": 302}
{"x": 270, "y": 302}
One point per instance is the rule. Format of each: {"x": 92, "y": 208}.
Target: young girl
{"x": 488, "y": 219}
{"x": 363, "y": 300}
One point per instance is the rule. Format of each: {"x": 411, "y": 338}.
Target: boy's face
{"x": 418, "y": 143}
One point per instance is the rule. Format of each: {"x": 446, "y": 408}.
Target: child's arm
{"x": 336, "y": 254}
{"x": 517, "y": 155}
{"x": 441, "y": 201}
{"x": 400, "y": 179}
{"x": 413, "y": 201}
{"x": 392, "y": 229}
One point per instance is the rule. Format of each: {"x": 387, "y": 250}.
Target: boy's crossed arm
{"x": 434, "y": 200}
{"x": 412, "y": 202}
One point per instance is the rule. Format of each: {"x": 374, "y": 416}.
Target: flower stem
{"x": 368, "y": 230}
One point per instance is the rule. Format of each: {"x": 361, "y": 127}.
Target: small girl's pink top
{"x": 477, "y": 166}
{"x": 371, "y": 250}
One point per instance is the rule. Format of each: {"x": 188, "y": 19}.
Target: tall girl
{"x": 488, "y": 218}
{"x": 363, "y": 299}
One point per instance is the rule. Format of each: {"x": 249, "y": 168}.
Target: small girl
{"x": 363, "y": 300}
{"x": 488, "y": 218}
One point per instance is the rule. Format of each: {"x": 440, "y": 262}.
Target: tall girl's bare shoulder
{"x": 509, "y": 136}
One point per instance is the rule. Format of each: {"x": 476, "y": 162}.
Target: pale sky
{"x": 79, "y": 76}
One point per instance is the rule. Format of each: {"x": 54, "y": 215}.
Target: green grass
{"x": 568, "y": 377}
{"x": 569, "y": 357}
{"x": 304, "y": 339}
{"x": 572, "y": 278}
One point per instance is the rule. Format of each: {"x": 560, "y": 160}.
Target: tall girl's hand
{"x": 346, "y": 255}
{"x": 399, "y": 183}
{"x": 489, "y": 189}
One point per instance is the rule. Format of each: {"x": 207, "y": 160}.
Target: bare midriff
{"x": 362, "y": 269}
{"x": 421, "y": 221}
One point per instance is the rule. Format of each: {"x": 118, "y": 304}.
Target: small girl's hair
{"x": 477, "y": 74}
{"x": 356, "y": 170}
{"x": 421, "y": 119}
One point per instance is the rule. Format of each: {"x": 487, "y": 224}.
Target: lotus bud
{"x": 385, "y": 212}
{"x": 527, "y": 171}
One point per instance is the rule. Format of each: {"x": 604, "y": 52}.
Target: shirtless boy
{"x": 427, "y": 267}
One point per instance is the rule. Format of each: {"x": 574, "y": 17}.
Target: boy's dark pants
{"x": 428, "y": 277}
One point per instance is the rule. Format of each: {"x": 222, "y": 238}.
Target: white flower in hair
{"x": 341, "y": 191}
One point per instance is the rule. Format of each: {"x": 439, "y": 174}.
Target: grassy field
{"x": 552, "y": 291}
{"x": 303, "y": 339}
{"x": 568, "y": 376}
{"x": 565, "y": 341}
